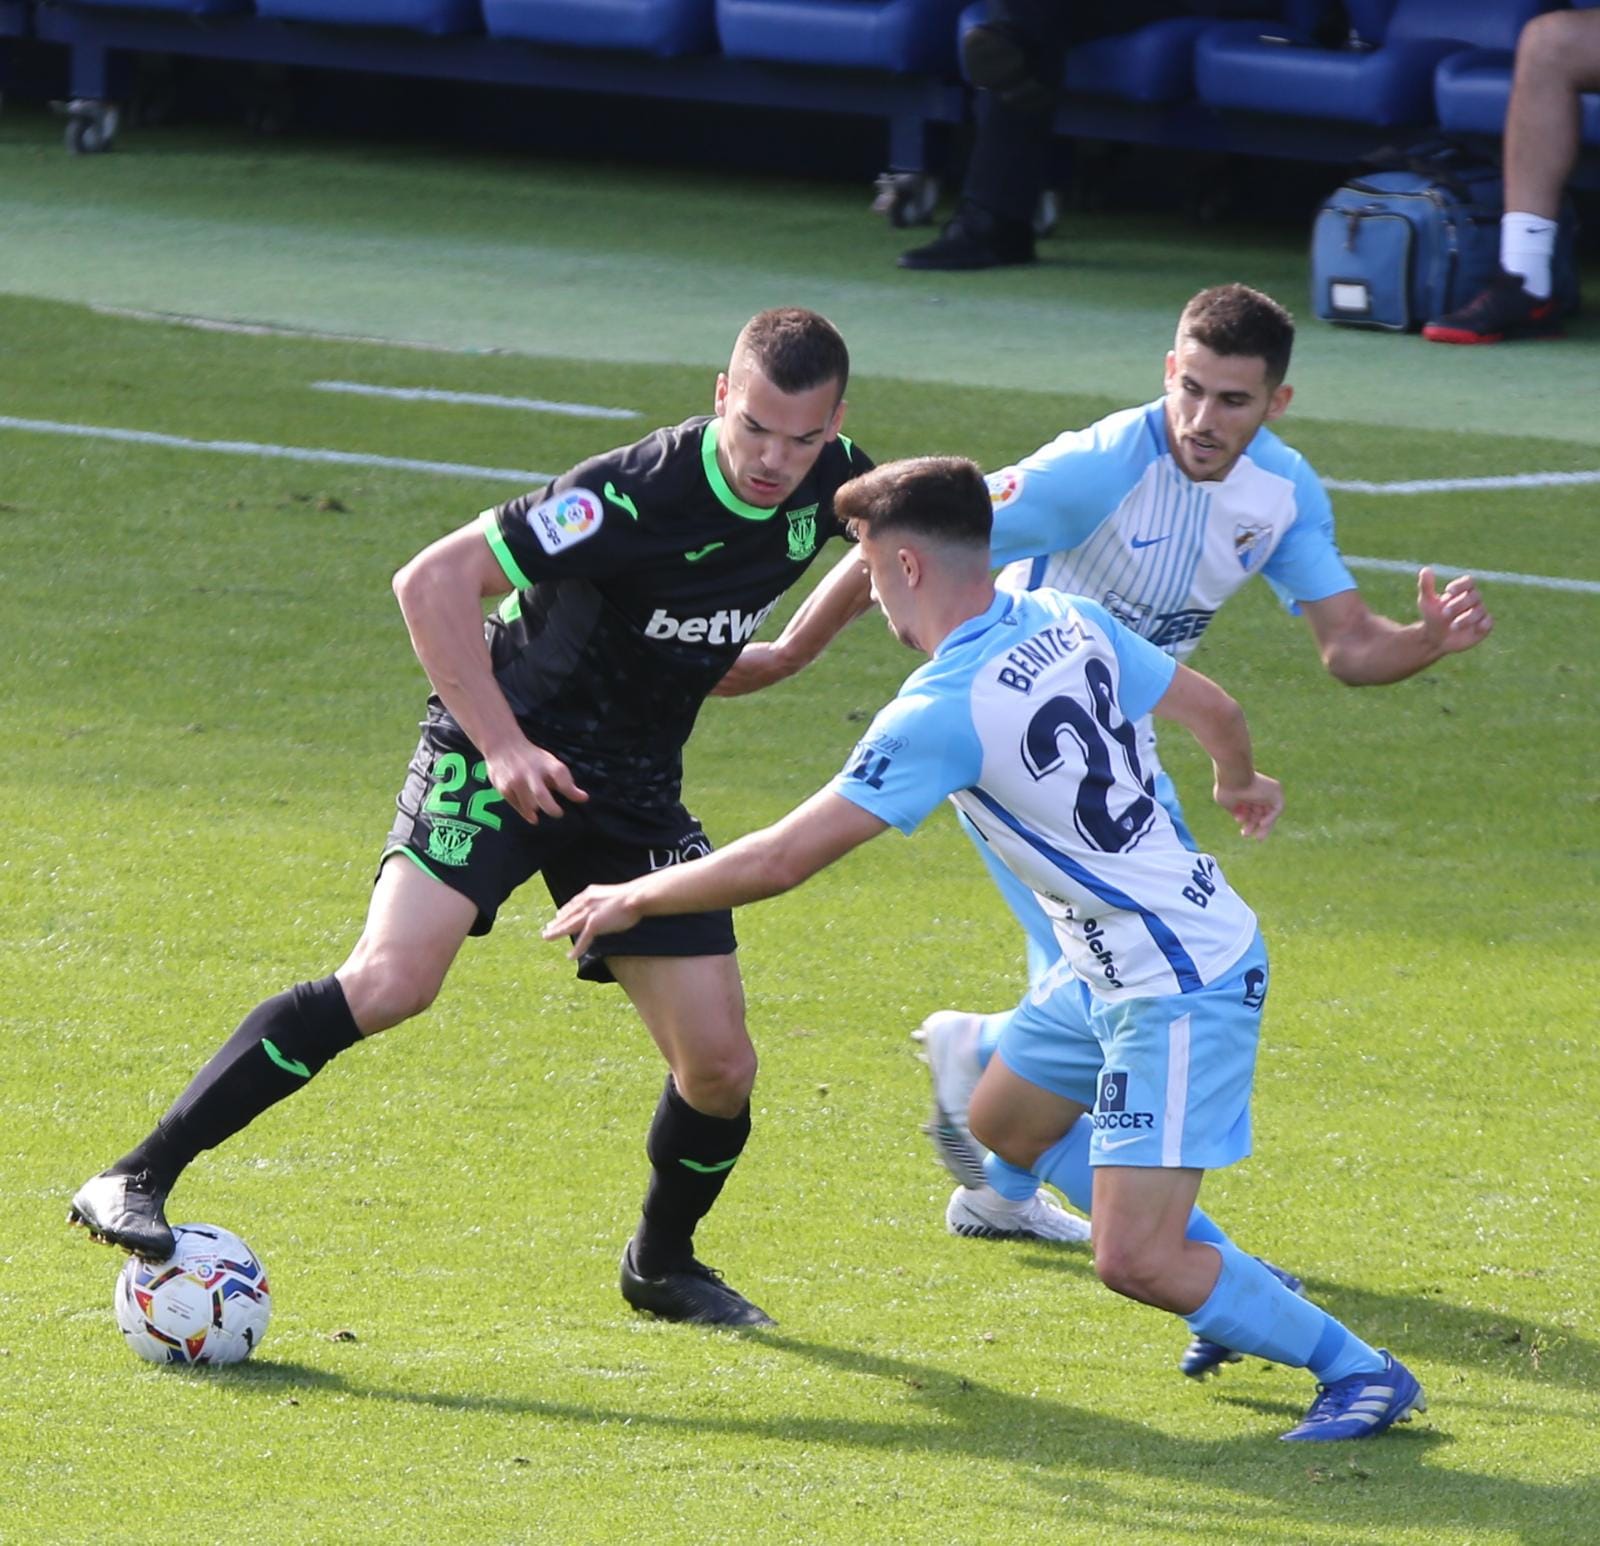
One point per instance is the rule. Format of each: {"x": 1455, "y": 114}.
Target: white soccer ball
{"x": 208, "y": 1303}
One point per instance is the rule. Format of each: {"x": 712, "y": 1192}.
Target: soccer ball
{"x": 208, "y": 1303}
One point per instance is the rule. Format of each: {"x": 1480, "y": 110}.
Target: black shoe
{"x": 974, "y": 238}
{"x": 125, "y": 1210}
{"x": 999, "y": 61}
{"x": 1504, "y": 310}
{"x": 691, "y": 1292}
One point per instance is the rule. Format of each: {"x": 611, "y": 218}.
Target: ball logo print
{"x": 207, "y": 1303}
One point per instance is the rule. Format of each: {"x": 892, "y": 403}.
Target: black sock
{"x": 279, "y": 1045}
{"x": 691, "y": 1154}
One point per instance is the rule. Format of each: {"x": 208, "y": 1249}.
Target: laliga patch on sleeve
{"x": 566, "y": 519}
{"x": 1004, "y": 486}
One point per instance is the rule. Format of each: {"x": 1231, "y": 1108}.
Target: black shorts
{"x": 452, "y": 823}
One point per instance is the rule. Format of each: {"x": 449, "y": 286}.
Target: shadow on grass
{"x": 1066, "y": 1452}
{"x": 1419, "y": 1327}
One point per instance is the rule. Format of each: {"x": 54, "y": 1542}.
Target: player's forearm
{"x": 1215, "y": 720}
{"x": 844, "y": 594}
{"x": 1382, "y": 652}
{"x": 444, "y": 618}
{"x": 748, "y": 870}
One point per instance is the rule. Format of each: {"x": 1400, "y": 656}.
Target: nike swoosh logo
{"x": 287, "y": 1064}
{"x": 1138, "y": 542}
{"x": 709, "y": 1170}
{"x": 699, "y": 553}
{"x": 1108, "y": 1144}
{"x": 617, "y": 498}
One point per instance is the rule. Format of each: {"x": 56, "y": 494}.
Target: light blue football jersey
{"x": 1106, "y": 512}
{"x": 1024, "y": 718}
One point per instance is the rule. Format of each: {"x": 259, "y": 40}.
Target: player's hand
{"x": 1455, "y": 618}
{"x": 1256, "y": 806}
{"x": 758, "y": 666}
{"x": 533, "y": 781}
{"x": 593, "y": 911}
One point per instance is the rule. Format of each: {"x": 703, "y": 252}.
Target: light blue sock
{"x": 1250, "y": 1311}
{"x": 1010, "y": 1181}
{"x": 989, "y": 1039}
{"x": 1066, "y": 1167}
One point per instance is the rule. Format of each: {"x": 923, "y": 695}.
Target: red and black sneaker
{"x": 1503, "y": 310}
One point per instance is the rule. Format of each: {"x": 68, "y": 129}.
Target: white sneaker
{"x": 981, "y": 1213}
{"x": 950, "y": 1049}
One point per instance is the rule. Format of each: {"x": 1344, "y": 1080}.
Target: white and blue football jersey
{"x": 1106, "y": 512}
{"x": 1025, "y": 719}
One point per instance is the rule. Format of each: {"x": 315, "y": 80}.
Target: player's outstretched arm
{"x": 762, "y": 864}
{"x": 1363, "y": 649}
{"x": 844, "y": 594}
{"x": 441, "y": 595}
{"x": 1217, "y": 722}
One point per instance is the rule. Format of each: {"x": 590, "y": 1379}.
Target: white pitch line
{"x": 477, "y": 399}
{"x": 1499, "y": 576}
{"x": 530, "y": 479}
{"x": 285, "y": 453}
{"x": 275, "y": 330}
{"x": 1462, "y": 485}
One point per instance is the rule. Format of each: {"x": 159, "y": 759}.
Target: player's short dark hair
{"x": 941, "y": 497}
{"x": 1236, "y": 320}
{"x": 795, "y": 349}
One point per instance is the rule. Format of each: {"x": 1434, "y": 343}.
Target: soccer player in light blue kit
{"x": 1160, "y": 513}
{"x": 1024, "y": 716}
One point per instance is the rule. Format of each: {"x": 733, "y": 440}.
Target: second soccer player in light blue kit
{"x": 1024, "y": 717}
{"x": 1160, "y": 513}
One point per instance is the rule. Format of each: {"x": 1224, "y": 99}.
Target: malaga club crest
{"x": 1249, "y": 542}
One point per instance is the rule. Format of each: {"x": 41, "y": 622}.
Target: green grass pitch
{"x": 208, "y": 704}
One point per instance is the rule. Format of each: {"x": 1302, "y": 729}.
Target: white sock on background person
{"x": 1527, "y": 244}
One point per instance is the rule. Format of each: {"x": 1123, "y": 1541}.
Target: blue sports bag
{"x": 1397, "y": 248}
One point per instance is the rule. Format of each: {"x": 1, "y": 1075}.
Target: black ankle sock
{"x": 692, "y": 1154}
{"x": 278, "y": 1046}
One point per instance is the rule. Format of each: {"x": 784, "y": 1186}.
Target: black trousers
{"x": 1010, "y": 159}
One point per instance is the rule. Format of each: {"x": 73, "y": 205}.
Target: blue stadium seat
{"x": 905, "y": 36}
{"x": 662, "y": 27}
{"x": 437, "y": 18}
{"x": 1387, "y": 78}
{"x": 1153, "y": 64}
{"x": 183, "y": 7}
{"x": 1471, "y": 90}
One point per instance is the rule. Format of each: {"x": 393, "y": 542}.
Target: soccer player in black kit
{"x": 553, "y": 745}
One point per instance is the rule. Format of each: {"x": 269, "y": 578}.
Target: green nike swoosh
{"x": 618, "y": 498}
{"x": 699, "y": 553}
{"x": 708, "y": 1170}
{"x": 288, "y": 1065}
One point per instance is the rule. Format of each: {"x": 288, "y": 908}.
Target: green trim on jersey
{"x": 511, "y": 608}
{"x": 849, "y": 446}
{"x": 490, "y": 527}
{"x": 719, "y": 484}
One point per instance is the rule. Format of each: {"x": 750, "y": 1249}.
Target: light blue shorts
{"x": 1168, "y": 1079}
{"x": 1043, "y": 951}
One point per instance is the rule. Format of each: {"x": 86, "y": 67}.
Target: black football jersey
{"x": 639, "y": 577}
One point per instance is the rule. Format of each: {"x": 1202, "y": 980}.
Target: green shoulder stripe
{"x": 490, "y": 528}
